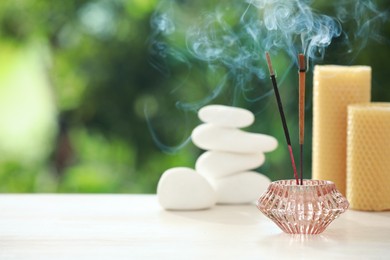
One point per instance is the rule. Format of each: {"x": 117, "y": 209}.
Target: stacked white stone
{"x": 231, "y": 153}
{"x": 182, "y": 188}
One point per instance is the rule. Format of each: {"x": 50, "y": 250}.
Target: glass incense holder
{"x": 302, "y": 209}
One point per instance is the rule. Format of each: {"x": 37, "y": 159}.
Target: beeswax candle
{"x": 368, "y": 156}
{"x": 335, "y": 87}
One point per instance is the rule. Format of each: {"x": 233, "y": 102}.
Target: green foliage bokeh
{"x": 109, "y": 119}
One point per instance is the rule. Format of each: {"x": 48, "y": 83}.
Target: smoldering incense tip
{"x": 302, "y": 63}
{"x": 269, "y": 63}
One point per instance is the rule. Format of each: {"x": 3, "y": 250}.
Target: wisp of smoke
{"x": 235, "y": 34}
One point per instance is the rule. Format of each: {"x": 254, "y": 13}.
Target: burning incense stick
{"x": 302, "y": 78}
{"x": 279, "y": 101}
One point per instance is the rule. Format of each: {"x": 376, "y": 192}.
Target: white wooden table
{"x": 135, "y": 227}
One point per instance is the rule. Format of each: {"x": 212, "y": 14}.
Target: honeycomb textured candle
{"x": 335, "y": 87}
{"x": 368, "y": 156}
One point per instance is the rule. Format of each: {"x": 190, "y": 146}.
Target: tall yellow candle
{"x": 335, "y": 87}
{"x": 368, "y": 156}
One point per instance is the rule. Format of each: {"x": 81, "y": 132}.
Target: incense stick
{"x": 302, "y": 79}
{"x": 281, "y": 112}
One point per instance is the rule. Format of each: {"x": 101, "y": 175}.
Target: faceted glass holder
{"x": 302, "y": 209}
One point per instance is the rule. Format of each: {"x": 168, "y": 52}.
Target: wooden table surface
{"x": 135, "y": 227}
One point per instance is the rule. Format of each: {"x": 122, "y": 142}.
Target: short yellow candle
{"x": 368, "y": 156}
{"x": 335, "y": 87}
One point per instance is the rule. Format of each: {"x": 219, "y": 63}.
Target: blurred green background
{"x": 86, "y": 105}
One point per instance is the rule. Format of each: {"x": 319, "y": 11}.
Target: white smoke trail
{"x": 233, "y": 35}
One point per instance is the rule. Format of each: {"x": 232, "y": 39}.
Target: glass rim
{"x": 309, "y": 183}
